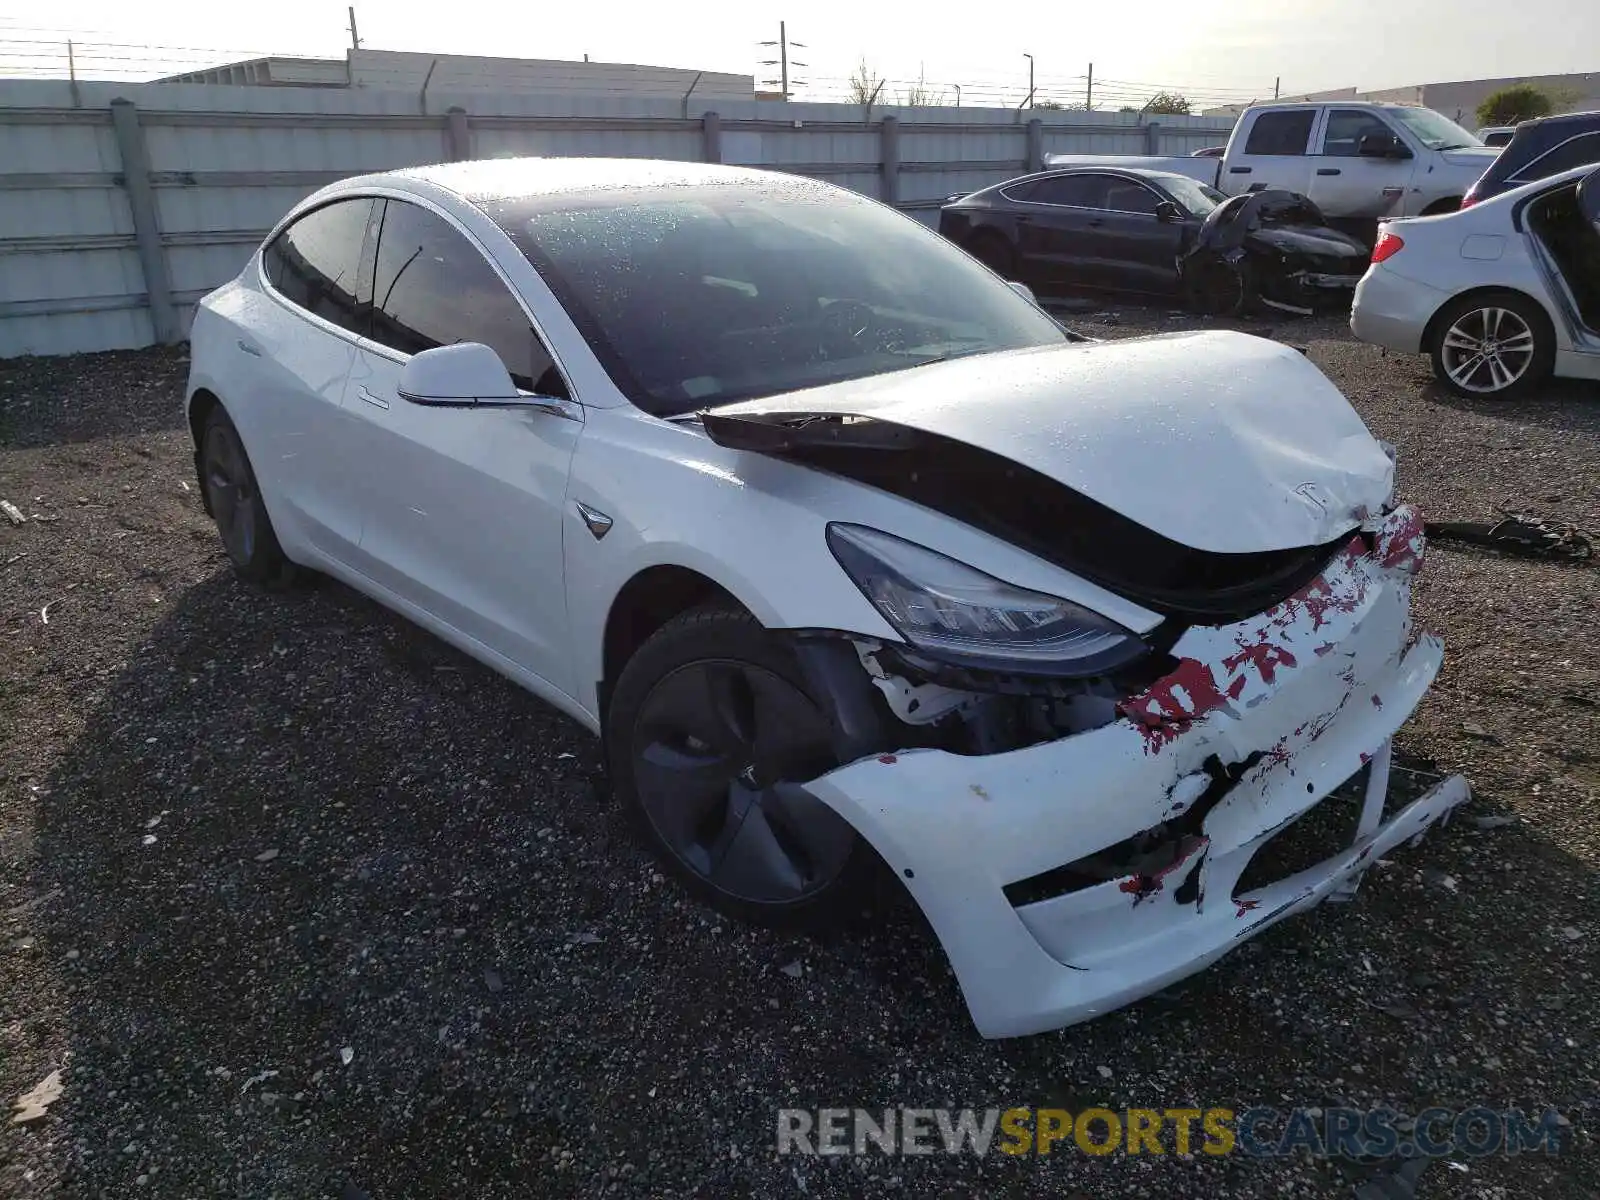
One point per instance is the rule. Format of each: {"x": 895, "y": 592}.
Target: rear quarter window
{"x": 1281, "y": 133}
{"x": 314, "y": 263}
{"x": 1574, "y": 152}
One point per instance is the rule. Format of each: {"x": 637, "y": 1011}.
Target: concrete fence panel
{"x": 122, "y": 204}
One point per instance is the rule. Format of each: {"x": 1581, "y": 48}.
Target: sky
{"x": 1215, "y": 51}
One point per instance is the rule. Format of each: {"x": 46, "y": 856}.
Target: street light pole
{"x": 1028, "y": 103}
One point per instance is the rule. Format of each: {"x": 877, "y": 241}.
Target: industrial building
{"x": 405, "y": 71}
{"x": 1458, "y": 100}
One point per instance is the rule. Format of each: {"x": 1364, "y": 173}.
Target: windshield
{"x": 1193, "y": 195}
{"x": 693, "y": 297}
{"x": 1432, "y": 130}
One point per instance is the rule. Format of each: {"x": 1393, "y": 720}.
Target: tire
{"x": 709, "y": 719}
{"x": 993, "y": 251}
{"x": 1468, "y": 323}
{"x": 236, "y": 504}
{"x": 1218, "y": 288}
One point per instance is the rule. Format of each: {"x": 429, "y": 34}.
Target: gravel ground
{"x": 303, "y": 903}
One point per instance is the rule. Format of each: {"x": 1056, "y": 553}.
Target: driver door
{"x": 1345, "y": 184}
{"x": 463, "y": 509}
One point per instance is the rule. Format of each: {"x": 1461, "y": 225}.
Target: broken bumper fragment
{"x": 1008, "y": 854}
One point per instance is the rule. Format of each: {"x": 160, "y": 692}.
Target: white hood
{"x": 1220, "y": 441}
{"x": 1471, "y": 158}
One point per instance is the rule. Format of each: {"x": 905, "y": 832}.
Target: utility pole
{"x": 782, "y": 61}
{"x": 355, "y": 38}
{"x": 1276, "y": 84}
{"x": 1088, "y": 97}
{"x": 1028, "y": 103}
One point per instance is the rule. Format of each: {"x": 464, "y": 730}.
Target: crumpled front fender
{"x": 1296, "y": 700}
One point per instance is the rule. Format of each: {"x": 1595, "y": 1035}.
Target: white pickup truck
{"x": 1357, "y": 162}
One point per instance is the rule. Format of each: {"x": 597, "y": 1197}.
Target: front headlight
{"x": 959, "y": 614}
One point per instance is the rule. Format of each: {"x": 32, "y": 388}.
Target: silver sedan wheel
{"x": 1487, "y": 350}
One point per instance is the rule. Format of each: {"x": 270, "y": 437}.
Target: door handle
{"x": 1327, "y": 170}
{"x": 1238, "y": 170}
{"x": 372, "y": 398}
{"x": 248, "y": 348}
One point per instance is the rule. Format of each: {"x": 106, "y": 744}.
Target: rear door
{"x": 1274, "y": 150}
{"x": 464, "y": 505}
{"x": 1052, "y": 221}
{"x": 301, "y": 345}
{"x": 1082, "y": 240}
{"x": 1348, "y": 186}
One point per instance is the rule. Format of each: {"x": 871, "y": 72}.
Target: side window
{"x": 1123, "y": 195}
{"x": 314, "y": 263}
{"x": 1574, "y": 152}
{"x": 1346, "y": 128}
{"x": 1078, "y": 191}
{"x": 432, "y": 287}
{"x": 1281, "y": 133}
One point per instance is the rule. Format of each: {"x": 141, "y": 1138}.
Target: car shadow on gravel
{"x": 1566, "y": 405}
{"x": 338, "y": 912}
{"x": 299, "y": 826}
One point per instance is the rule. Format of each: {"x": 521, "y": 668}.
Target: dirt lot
{"x": 303, "y": 903}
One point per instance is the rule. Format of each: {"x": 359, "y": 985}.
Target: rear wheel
{"x": 1494, "y": 344}
{"x": 710, "y": 731}
{"x": 236, "y": 505}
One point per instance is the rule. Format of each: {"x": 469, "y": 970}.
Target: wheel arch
{"x": 202, "y": 403}
{"x": 649, "y": 599}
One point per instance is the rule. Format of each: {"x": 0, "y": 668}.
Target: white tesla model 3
{"x": 852, "y": 554}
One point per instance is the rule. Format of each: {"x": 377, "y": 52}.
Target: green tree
{"x": 1518, "y": 102}
{"x": 1171, "y": 104}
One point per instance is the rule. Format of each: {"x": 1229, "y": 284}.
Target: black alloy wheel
{"x": 712, "y": 735}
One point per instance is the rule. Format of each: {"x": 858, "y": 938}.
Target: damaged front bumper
{"x": 1258, "y": 724}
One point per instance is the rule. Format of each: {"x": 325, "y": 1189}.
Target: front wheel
{"x": 236, "y": 505}
{"x": 1493, "y": 345}
{"x": 710, "y": 733}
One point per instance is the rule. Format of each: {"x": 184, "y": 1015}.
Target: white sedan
{"x": 852, "y": 555}
{"x": 1500, "y": 296}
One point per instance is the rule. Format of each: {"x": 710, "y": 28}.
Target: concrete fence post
{"x": 1152, "y": 138}
{"x": 889, "y": 139}
{"x": 457, "y": 136}
{"x": 711, "y": 137}
{"x": 1035, "y": 145}
{"x": 146, "y": 227}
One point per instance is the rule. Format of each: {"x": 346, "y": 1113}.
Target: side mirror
{"x": 1381, "y": 145}
{"x": 1024, "y": 291}
{"x": 1167, "y": 212}
{"x": 464, "y": 375}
